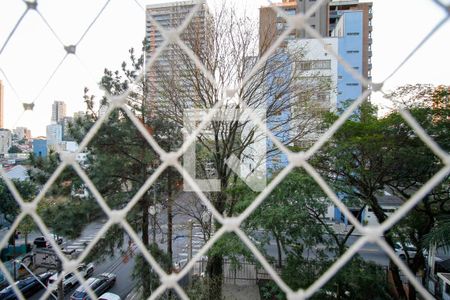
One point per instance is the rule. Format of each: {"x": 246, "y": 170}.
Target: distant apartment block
{"x": 349, "y": 31}
{"x": 337, "y": 9}
{"x": 65, "y": 123}
{"x": 21, "y": 133}
{"x": 169, "y": 68}
{"x": 58, "y": 111}
{"x": 54, "y": 134}
{"x": 5, "y": 140}
{"x": 272, "y": 24}
{"x": 349, "y": 21}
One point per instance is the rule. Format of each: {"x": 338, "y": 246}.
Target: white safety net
{"x": 229, "y": 224}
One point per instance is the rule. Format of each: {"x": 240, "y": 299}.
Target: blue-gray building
{"x": 349, "y": 30}
{"x": 40, "y": 147}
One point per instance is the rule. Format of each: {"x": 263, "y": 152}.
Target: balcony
{"x": 369, "y": 53}
{"x": 369, "y": 66}
{"x": 369, "y": 41}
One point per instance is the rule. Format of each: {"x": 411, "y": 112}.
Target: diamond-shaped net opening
{"x": 195, "y": 59}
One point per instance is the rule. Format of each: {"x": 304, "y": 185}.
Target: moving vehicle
{"x": 99, "y": 285}
{"x": 109, "y": 296}
{"x": 70, "y": 280}
{"x": 42, "y": 242}
{"x": 28, "y": 286}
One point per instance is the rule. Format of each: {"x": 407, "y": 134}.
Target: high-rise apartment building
{"x": 338, "y": 8}
{"x": 272, "y": 25}
{"x": 58, "y": 111}
{"x": 348, "y": 20}
{"x": 1, "y": 103}
{"x": 169, "y": 66}
{"x": 349, "y": 31}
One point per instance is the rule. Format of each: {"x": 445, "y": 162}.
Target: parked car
{"x": 28, "y": 287}
{"x": 70, "y": 280}
{"x": 99, "y": 285}
{"x": 109, "y": 296}
{"x": 408, "y": 248}
{"x": 42, "y": 242}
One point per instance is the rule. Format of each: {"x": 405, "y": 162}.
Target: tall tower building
{"x": 348, "y": 20}
{"x": 58, "y": 111}
{"x": 168, "y": 66}
{"x": 271, "y": 25}
{"x": 1, "y": 104}
{"x": 337, "y": 10}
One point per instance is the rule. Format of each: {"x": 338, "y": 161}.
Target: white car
{"x": 70, "y": 280}
{"x": 109, "y": 296}
{"x": 408, "y": 248}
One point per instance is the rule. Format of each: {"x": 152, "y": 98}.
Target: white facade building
{"x": 317, "y": 77}
{"x": 319, "y": 66}
{"x": 54, "y": 134}
{"x": 5, "y": 140}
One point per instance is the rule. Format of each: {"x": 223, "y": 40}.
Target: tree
{"x": 120, "y": 153}
{"x": 439, "y": 235}
{"x": 14, "y": 149}
{"x": 228, "y": 50}
{"x": 8, "y": 204}
{"x": 369, "y": 155}
{"x": 294, "y": 216}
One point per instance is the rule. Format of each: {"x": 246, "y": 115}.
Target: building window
{"x": 279, "y": 80}
{"x": 322, "y": 97}
{"x": 290, "y": 12}
{"x": 352, "y": 33}
{"x": 315, "y": 65}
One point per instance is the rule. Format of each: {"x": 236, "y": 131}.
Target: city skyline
{"x": 70, "y": 80}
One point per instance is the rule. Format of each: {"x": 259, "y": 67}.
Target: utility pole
{"x": 190, "y": 223}
{"x": 14, "y": 270}
{"x": 60, "y": 283}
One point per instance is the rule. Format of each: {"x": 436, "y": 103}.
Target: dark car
{"x": 42, "y": 242}
{"x": 28, "y": 287}
{"x": 99, "y": 285}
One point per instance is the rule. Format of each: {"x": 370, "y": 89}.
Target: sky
{"x": 33, "y": 52}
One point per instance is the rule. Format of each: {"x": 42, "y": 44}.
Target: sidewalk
{"x": 240, "y": 292}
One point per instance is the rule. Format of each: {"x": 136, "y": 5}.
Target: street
{"x": 123, "y": 265}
